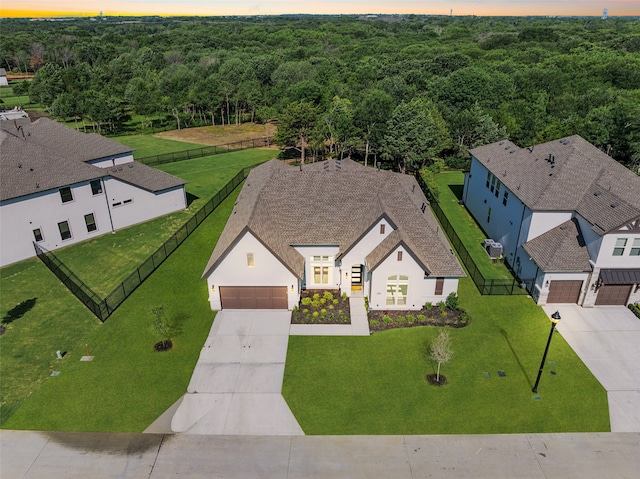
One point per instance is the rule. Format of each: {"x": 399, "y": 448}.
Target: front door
{"x": 356, "y": 277}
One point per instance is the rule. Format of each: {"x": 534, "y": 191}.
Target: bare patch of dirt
{"x": 219, "y": 135}
{"x": 435, "y": 381}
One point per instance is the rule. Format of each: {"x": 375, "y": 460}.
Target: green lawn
{"x": 128, "y": 385}
{"x": 118, "y": 254}
{"x": 10, "y": 99}
{"x": 450, "y": 184}
{"x": 149, "y": 145}
{"x": 376, "y": 385}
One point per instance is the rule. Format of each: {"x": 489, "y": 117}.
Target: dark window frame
{"x": 91, "y": 226}
{"x": 96, "y": 187}
{"x": 38, "y": 235}
{"x": 66, "y": 195}
{"x": 65, "y": 235}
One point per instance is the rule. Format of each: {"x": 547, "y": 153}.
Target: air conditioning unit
{"x": 493, "y": 249}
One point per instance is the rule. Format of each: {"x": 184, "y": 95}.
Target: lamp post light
{"x": 555, "y": 319}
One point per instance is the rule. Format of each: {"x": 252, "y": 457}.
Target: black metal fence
{"x": 103, "y": 308}
{"x": 486, "y": 286}
{"x": 206, "y": 151}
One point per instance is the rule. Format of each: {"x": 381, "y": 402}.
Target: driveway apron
{"x": 607, "y": 340}
{"x": 236, "y": 387}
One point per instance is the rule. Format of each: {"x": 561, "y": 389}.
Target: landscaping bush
{"x": 635, "y": 309}
{"x": 453, "y": 302}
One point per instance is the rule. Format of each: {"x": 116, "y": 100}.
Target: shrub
{"x": 428, "y": 306}
{"x": 328, "y": 296}
{"x": 305, "y": 310}
{"x": 336, "y": 301}
{"x": 373, "y": 322}
{"x": 401, "y": 319}
{"x": 323, "y": 311}
{"x": 387, "y": 319}
{"x": 442, "y": 305}
{"x": 366, "y": 303}
{"x": 316, "y": 295}
{"x": 315, "y": 314}
{"x": 443, "y": 313}
{"x": 453, "y": 302}
{"x": 295, "y": 309}
{"x": 421, "y": 317}
{"x": 635, "y": 309}
{"x": 305, "y": 301}
{"x": 330, "y": 306}
{"x": 344, "y": 296}
{"x": 323, "y": 301}
{"x": 411, "y": 318}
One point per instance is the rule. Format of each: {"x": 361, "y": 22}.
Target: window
{"x": 439, "y": 286}
{"x": 489, "y": 216}
{"x": 399, "y": 255}
{"x": 505, "y": 197}
{"x": 37, "y": 234}
{"x": 498, "y": 184}
{"x": 493, "y": 183}
{"x": 397, "y": 287}
{"x": 635, "y": 248}
{"x": 65, "y": 194}
{"x": 382, "y": 229}
{"x": 621, "y": 243}
{"x": 488, "y": 178}
{"x": 65, "y": 232}
{"x": 90, "y": 221}
{"x": 250, "y": 262}
{"x": 321, "y": 268}
{"x": 96, "y": 187}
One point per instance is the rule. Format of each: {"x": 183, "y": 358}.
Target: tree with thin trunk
{"x": 295, "y": 125}
{"x": 440, "y": 350}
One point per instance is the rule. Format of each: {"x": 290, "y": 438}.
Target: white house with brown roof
{"x": 567, "y": 215}
{"x": 3, "y": 77}
{"x": 60, "y": 187}
{"x": 331, "y": 225}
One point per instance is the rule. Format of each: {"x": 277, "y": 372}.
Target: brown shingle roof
{"x": 561, "y": 249}
{"x": 42, "y": 155}
{"x": 568, "y": 182}
{"x": 333, "y": 203}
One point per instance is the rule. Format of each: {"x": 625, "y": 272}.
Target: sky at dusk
{"x": 39, "y": 8}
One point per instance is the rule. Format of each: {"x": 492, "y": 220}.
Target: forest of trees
{"x": 403, "y": 90}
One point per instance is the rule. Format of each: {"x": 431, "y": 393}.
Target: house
{"x": 330, "y": 225}
{"x": 3, "y": 77}
{"x": 60, "y": 186}
{"x": 567, "y": 216}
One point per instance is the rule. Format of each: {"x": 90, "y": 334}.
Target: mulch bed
{"x": 322, "y": 306}
{"x": 434, "y": 381}
{"x": 380, "y": 320}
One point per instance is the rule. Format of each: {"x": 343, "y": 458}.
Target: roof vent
{"x": 597, "y": 193}
{"x": 614, "y": 204}
{"x": 506, "y": 147}
{"x": 512, "y": 151}
{"x": 19, "y": 165}
{"x": 501, "y": 143}
{"x": 37, "y": 185}
{"x": 423, "y": 207}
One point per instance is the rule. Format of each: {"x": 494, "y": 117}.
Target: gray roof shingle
{"x": 561, "y": 249}
{"x": 43, "y": 155}
{"x": 334, "y": 203}
{"x": 567, "y": 183}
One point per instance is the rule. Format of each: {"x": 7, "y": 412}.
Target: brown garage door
{"x": 564, "y": 291}
{"x": 253, "y": 297}
{"x": 613, "y": 294}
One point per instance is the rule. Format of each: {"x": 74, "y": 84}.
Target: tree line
{"x": 401, "y": 90}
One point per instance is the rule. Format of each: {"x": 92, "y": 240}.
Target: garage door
{"x": 564, "y": 291}
{"x": 613, "y": 294}
{"x": 253, "y": 297}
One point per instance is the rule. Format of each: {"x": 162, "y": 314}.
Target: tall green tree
{"x": 295, "y": 125}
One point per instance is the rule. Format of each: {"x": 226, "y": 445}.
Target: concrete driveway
{"x": 607, "y": 339}
{"x": 237, "y": 383}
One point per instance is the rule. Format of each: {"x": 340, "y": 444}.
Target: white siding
{"x": 606, "y": 259}
{"x": 420, "y": 289}
{"x": 592, "y": 239}
{"x": 20, "y": 216}
{"x": 110, "y": 161}
{"x": 267, "y": 271}
{"x": 543, "y": 221}
{"x": 131, "y": 205}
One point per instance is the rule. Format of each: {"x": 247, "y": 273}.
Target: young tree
{"x": 163, "y": 327}
{"x": 440, "y": 350}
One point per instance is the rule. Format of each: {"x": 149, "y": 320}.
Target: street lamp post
{"x": 555, "y": 319}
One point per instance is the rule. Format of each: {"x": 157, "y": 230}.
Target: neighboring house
{"x": 16, "y": 113}
{"x": 60, "y": 186}
{"x": 330, "y": 225}
{"x": 3, "y": 77}
{"x": 567, "y": 215}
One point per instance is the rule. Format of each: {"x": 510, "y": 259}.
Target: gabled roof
{"x": 564, "y": 175}
{"x": 43, "y": 155}
{"x": 334, "y": 203}
{"x": 561, "y": 249}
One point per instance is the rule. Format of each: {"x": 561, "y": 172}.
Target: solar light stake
{"x": 555, "y": 319}
{"x": 86, "y": 346}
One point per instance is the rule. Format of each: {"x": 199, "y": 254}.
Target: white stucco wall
{"x": 543, "y": 221}
{"x": 420, "y": 289}
{"x": 308, "y": 251}
{"x": 267, "y": 271}
{"x": 44, "y": 210}
{"x": 110, "y": 161}
{"x": 358, "y": 253}
{"x": 592, "y": 239}
{"x": 137, "y": 205}
{"x": 606, "y": 258}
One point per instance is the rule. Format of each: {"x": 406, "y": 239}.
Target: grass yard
{"x": 128, "y": 385}
{"x": 450, "y": 184}
{"x": 376, "y": 384}
{"x": 10, "y": 99}
{"x": 118, "y": 254}
{"x": 149, "y": 145}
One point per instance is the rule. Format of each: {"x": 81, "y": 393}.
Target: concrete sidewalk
{"x": 607, "y": 340}
{"x": 56, "y": 455}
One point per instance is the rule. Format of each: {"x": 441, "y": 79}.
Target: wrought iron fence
{"x": 486, "y": 286}
{"x": 103, "y": 308}
{"x": 206, "y": 151}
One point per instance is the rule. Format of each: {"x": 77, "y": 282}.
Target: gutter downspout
{"x": 515, "y": 250}
{"x": 106, "y": 198}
